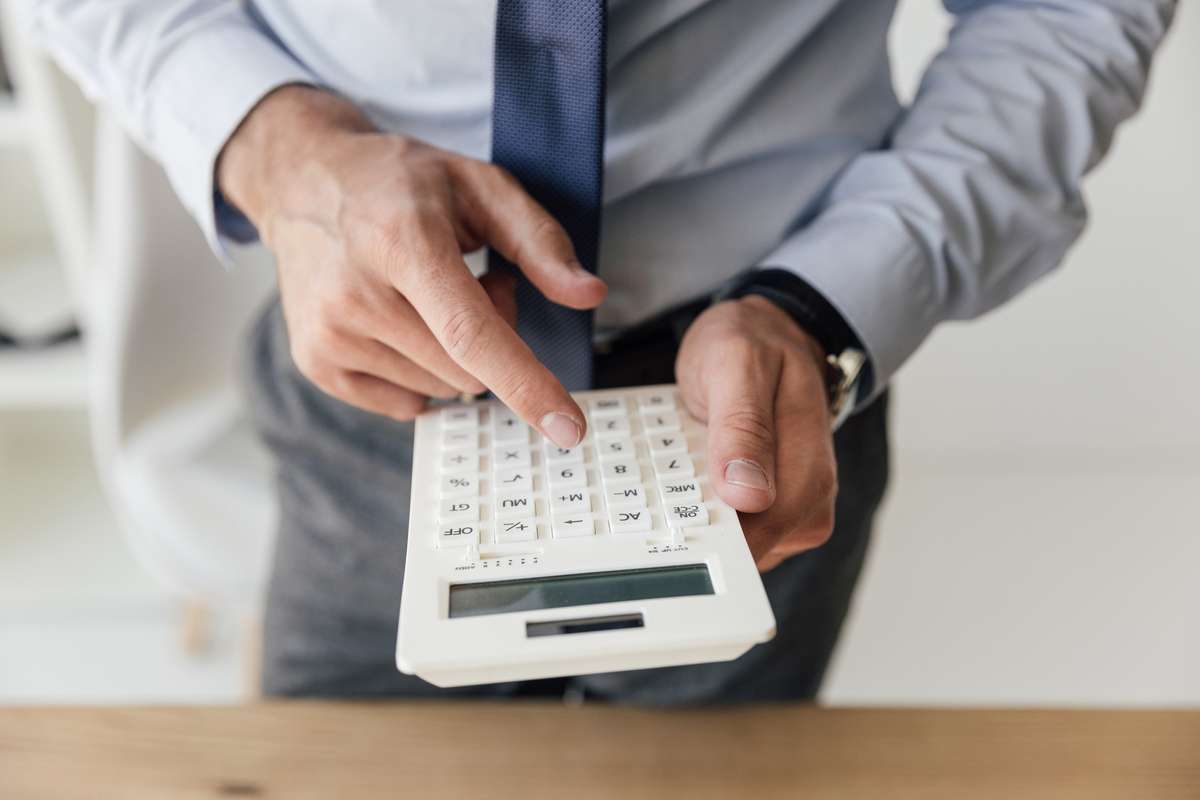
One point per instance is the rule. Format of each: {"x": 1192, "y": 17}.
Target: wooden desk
{"x": 356, "y": 751}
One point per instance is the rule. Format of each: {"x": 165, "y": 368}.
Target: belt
{"x": 644, "y": 354}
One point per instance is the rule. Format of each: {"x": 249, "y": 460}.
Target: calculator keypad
{"x": 500, "y": 482}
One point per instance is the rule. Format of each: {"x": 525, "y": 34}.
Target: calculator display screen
{"x": 502, "y": 597}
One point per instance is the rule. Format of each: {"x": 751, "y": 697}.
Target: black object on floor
{"x": 67, "y": 334}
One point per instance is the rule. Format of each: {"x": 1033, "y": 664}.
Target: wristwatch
{"x": 847, "y": 369}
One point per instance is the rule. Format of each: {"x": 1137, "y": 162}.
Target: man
{"x": 769, "y": 212}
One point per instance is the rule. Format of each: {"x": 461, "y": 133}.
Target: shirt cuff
{"x": 212, "y": 80}
{"x": 869, "y": 269}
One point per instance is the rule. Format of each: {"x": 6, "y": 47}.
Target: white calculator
{"x": 526, "y": 560}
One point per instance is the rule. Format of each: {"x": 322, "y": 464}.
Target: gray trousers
{"x": 334, "y": 594}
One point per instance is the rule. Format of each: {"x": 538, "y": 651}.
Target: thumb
{"x": 741, "y": 433}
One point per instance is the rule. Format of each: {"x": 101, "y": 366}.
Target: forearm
{"x": 179, "y": 74}
{"x": 979, "y": 191}
{"x": 281, "y": 132}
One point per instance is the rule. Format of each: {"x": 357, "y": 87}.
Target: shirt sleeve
{"x": 977, "y": 193}
{"x": 180, "y": 74}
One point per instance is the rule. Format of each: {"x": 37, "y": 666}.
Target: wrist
{"x": 286, "y": 128}
{"x": 763, "y": 305}
{"x": 810, "y": 310}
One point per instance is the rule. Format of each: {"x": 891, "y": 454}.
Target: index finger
{"x": 465, "y": 322}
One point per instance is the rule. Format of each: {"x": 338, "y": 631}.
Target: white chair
{"x": 188, "y": 480}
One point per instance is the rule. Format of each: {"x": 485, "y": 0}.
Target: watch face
{"x": 845, "y": 370}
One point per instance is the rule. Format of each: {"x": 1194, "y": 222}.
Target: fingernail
{"x": 741, "y": 472}
{"x": 579, "y": 270}
{"x": 561, "y": 429}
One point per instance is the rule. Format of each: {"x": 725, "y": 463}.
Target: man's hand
{"x": 748, "y": 371}
{"x": 369, "y": 231}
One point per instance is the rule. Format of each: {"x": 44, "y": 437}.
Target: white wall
{"x": 1041, "y": 543}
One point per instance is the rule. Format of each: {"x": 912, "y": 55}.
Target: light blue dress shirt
{"x": 740, "y": 132}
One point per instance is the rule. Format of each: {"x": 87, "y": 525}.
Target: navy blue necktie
{"x": 548, "y": 130}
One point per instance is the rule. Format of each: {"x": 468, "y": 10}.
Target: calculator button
{"x": 629, "y": 520}
{"x": 611, "y": 426}
{"x": 460, "y": 462}
{"x": 514, "y": 480}
{"x": 610, "y": 449}
{"x": 570, "y": 526}
{"x": 459, "y": 440}
{"x": 632, "y": 496}
{"x": 459, "y": 509}
{"x": 571, "y": 501}
{"x": 668, "y": 443}
{"x": 514, "y": 505}
{"x": 661, "y": 421}
{"x": 458, "y": 535}
{"x": 674, "y": 466}
{"x": 616, "y": 471}
{"x": 685, "y": 515}
{"x": 563, "y": 455}
{"x": 507, "y": 427}
{"x": 460, "y": 417}
{"x": 460, "y": 485}
{"x": 516, "y": 530}
{"x": 607, "y": 407}
{"x": 682, "y": 491}
{"x": 507, "y": 456}
{"x": 655, "y": 402}
{"x": 563, "y": 475}
{"x": 518, "y": 434}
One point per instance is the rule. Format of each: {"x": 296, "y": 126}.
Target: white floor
{"x": 1030, "y": 586}
{"x": 80, "y": 621}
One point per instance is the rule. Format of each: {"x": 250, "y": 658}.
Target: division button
{"x": 510, "y": 431}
